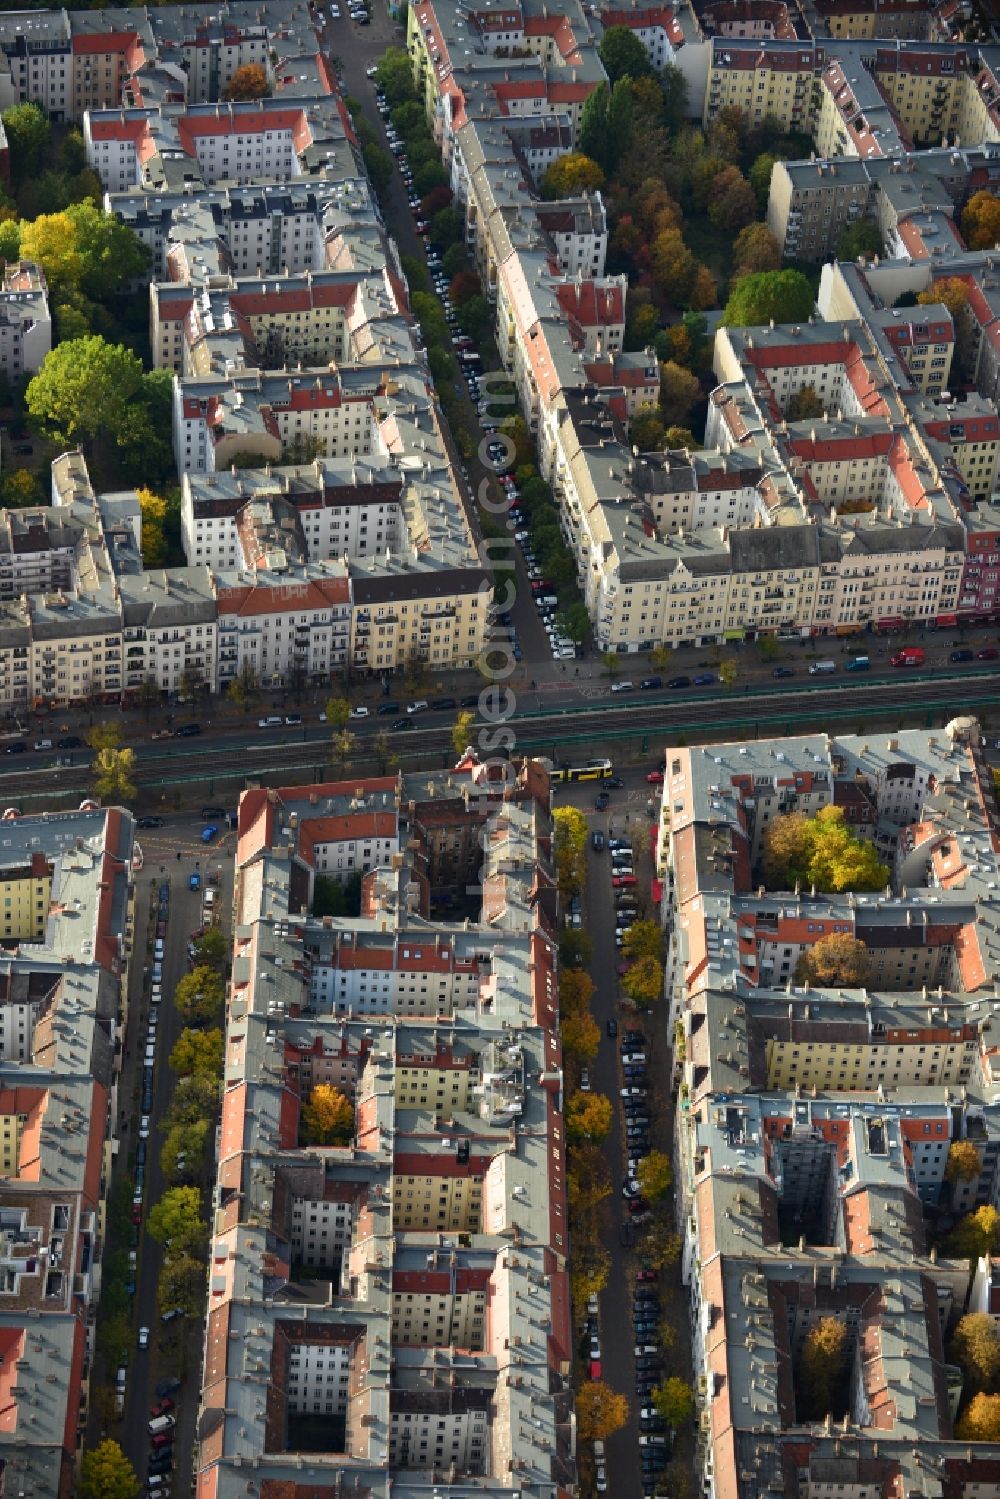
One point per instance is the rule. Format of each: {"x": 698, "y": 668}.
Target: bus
{"x": 593, "y": 770}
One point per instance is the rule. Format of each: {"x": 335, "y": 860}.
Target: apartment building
{"x": 25, "y": 325}
{"x": 66, "y": 887}
{"x": 814, "y": 1124}
{"x": 439, "y": 1230}
{"x": 776, "y": 79}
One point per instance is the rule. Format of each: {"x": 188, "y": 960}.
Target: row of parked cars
{"x": 655, "y": 1438}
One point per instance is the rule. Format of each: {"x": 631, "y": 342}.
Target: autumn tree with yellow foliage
{"x": 327, "y": 1117}
{"x": 154, "y": 514}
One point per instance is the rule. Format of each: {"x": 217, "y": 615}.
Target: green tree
{"x": 327, "y": 1117}
{"x": 198, "y": 1053}
{"x": 589, "y": 1117}
{"x": 181, "y": 1286}
{"x": 785, "y": 296}
{"x": 83, "y": 389}
{"x": 474, "y": 318}
{"x": 644, "y": 939}
{"x": 803, "y": 404}
{"x": 183, "y": 1151}
{"x": 570, "y": 175}
{"x": 729, "y": 672}
{"x": 660, "y": 657}
{"x": 963, "y": 1164}
{"x": 575, "y": 948}
{"x": 592, "y": 137}
{"x": 574, "y": 622}
{"x": 105, "y": 1471}
{"x": 28, "y": 131}
{"x": 111, "y": 254}
{"x": 337, "y": 713}
{"x": 447, "y": 227}
{"x": 860, "y": 240}
{"x": 821, "y": 1367}
{"x": 836, "y": 959}
{"x": 200, "y": 996}
{"x": 760, "y": 177}
{"x": 622, "y": 54}
{"x": 461, "y": 731}
{"x": 654, "y": 1175}
{"x": 610, "y": 663}
{"x": 176, "y": 1221}
{"x": 643, "y": 982}
{"x": 10, "y": 239}
{"x": 980, "y": 1421}
{"x": 194, "y": 1099}
{"x": 378, "y": 165}
{"x": 211, "y": 950}
{"x": 620, "y": 123}
{"x": 50, "y": 241}
{"x": 820, "y": 851}
{"x": 674, "y": 1399}
{"x": 976, "y": 1234}
{"x": 395, "y": 77}
{"x": 570, "y": 850}
{"x": 112, "y": 772}
{"x": 975, "y": 1347}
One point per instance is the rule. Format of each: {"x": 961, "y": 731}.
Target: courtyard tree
{"x": 976, "y": 1234}
{"x": 623, "y": 54}
{"x": 836, "y": 959}
{"x": 248, "y": 82}
{"x": 570, "y": 175}
{"x": 963, "y": 1162}
{"x": 980, "y": 1421}
{"x": 975, "y": 1347}
{"x": 822, "y": 1366}
{"x": 980, "y": 220}
{"x": 327, "y": 1117}
{"x": 785, "y": 296}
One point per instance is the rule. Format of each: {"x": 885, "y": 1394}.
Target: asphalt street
{"x": 174, "y": 1349}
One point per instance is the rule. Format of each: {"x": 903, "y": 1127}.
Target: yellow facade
{"x": 10, "y": 1143}
{"x": 24, "y": 906}
{"x": 442, "y": 1204}
{"x": 444, "y": 1089}
{"x": 834, "y": 1067}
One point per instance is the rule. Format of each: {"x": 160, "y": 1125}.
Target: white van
{"x": 209, "y": 898}
{"x": 160, "y": 1423}
{"x": 820, "y": 668}
{"x": 150, "y": 1055}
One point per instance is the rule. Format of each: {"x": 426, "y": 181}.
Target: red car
{"x": 137, "y": 1212}
{"x": 161, "y": 1407}
{"x": 623, "y": 881}
{"x": 647, "y": 1275}
{"x": 595, "y": 1368}
{"x": 163, "y": 1439}
{"x": 655, "y": 778}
